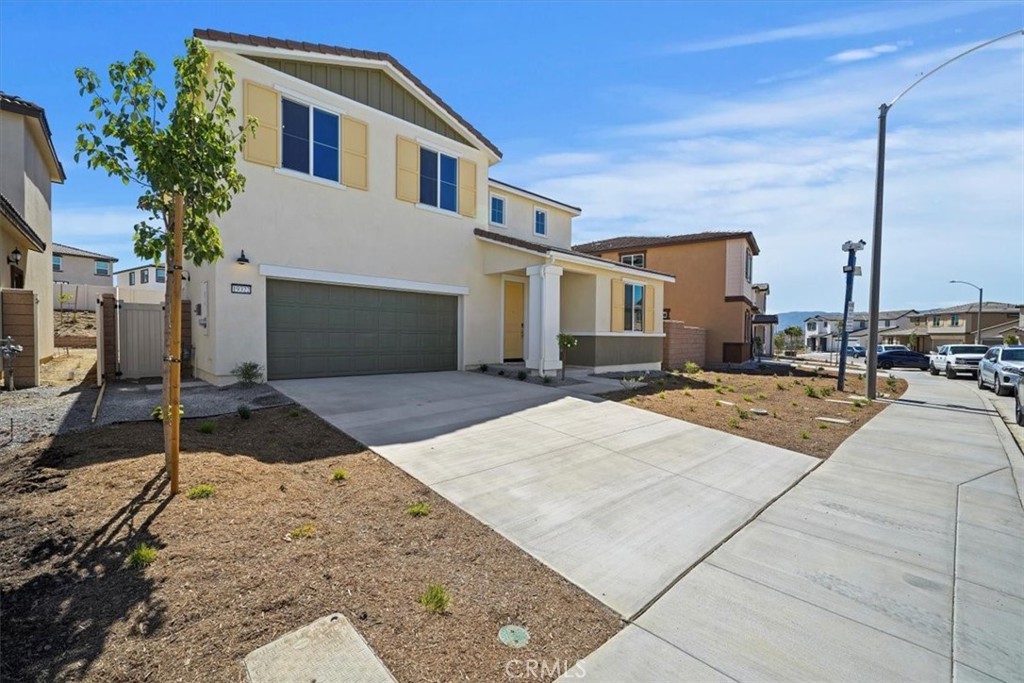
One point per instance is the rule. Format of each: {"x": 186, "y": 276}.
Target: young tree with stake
{"x": 184, "y": 161}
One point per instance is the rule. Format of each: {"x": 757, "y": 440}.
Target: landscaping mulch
{"x": 228, "y": 578}
{"x": 702, "y": 398}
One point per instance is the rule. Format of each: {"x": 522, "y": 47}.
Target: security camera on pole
{"x": 851, "y": 269}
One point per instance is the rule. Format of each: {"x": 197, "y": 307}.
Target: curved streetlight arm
{"x": 981, "y": 296}
{"x": 876, "y": 233}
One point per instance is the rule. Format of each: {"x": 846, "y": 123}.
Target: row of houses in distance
{"x": 922, "y": 331}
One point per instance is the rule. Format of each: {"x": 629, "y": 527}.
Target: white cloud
{"x": 861, "y": 54}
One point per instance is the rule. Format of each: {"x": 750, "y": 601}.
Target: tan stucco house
{"x": 28, "y": 166}
{"x": 714, "y": 287}
{"x": 958, "y": 325}
{"x": 370, "y": 237}
{"x": 74, "y": 266}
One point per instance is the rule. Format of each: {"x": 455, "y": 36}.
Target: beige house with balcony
{"x": 714, "y": 287}
{"x": 958, "y": 325}
{"x": 28, "y": 167}
{"x": 375, "y": 240}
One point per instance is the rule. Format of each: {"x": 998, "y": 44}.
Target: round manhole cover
{"x": 514, "y": 636}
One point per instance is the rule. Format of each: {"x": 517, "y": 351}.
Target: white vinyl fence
{"x": 140, "y": 340}
{"x": 84, "y": 297}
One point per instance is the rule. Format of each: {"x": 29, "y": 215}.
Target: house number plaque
{"x": 240, "y": 289}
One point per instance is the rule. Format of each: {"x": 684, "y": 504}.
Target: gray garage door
{"x": 316, "y": 330}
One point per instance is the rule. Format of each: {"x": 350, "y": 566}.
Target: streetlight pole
{"x": 876, "y": 234}
{"x": 981, "y": 292}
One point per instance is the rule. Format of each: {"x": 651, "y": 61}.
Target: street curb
{"x": 1010, "y": 443}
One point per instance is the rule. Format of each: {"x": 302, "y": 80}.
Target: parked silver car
{"x": 1018, "y": 404}
{"x": 1001, "y": 369}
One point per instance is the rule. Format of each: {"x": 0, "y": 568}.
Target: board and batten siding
{"x": 371, "y": 87}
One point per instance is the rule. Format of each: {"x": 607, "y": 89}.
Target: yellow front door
{"x": 514, "y": 309}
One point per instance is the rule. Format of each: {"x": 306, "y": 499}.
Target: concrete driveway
{"x": 620, "y": 501}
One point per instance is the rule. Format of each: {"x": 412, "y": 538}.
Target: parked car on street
{"x": 956, "y": 358}
{"x": 1018, "y": 404}
{"x": 882, "y": 348}
{"x": 902, "y": 358}
{"x": 1001, "y": 369}
{"x": 856, "y": 351}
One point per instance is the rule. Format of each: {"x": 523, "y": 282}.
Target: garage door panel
{"x": 319, "y": 330}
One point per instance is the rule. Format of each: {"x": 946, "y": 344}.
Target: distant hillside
{"x": 796, "y": 318}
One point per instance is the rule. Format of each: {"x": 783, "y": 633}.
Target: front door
{"x": 513, "y": 320}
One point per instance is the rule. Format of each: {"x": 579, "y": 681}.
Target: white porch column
{"x": 544, "y": 314}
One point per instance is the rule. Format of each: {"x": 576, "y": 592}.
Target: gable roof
{"x": 987, "y": 307}
{"x": 244, "y": 40}
{"x": 8, "y": 211}
{"x": 639, "y": 241}
{"x": 65, "y": 250}
{"x": 548, "y": 249}
{"x": 501, "y": 185}
{"x": 16, "y": 105}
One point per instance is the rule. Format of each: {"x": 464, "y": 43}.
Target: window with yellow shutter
{"x": 433, "y": 178}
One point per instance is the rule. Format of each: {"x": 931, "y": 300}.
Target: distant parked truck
{"x": 953, "y": 359}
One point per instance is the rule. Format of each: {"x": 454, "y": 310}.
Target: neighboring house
{"x": 73, "y": 266}
{"x": 374, "y": 240}
{"x": 825, "y": 332}
{"x": 958, "y": 324}
{"x": 149, "y": 277}
{"x": 28, "y": 166}
{"x": 764, "y": 323}
{"x": 714, "y": 287}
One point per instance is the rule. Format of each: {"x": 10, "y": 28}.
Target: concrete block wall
{"x": 683, "y": 343}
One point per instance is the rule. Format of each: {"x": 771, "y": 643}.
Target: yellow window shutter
{"x": 407, "y": 183}
{"x": 263, "y": 147}
{"x": 354, "y": 154}
{"x": 618, "y": 305}
{"x": 648, "y": 308}
{"x": 467, "y": 188}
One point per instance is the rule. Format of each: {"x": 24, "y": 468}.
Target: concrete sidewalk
{"x": 618, "y": 500}
{"x": 900, "y": 558}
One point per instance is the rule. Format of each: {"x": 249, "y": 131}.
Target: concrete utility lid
{"x": 833, "y": 420}
{"x": 329, "y": 650}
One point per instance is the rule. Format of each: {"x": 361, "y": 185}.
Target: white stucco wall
{"x": 519, "y": 218}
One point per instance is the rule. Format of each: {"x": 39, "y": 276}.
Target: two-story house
{"x": 74, "y": 266}
{"x": 148, "y": 277}
{"x": 825, "y": 332}
{"x": 371, "y": 239}
{"x": 959, "y": 324}
{"x": 714, "y": 287}
{"x": 28, "y": 166}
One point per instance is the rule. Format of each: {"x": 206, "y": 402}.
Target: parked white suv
{"x": 1001, "y": 369}
{"x": 956, "y": 358}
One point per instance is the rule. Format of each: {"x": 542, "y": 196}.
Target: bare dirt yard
{"x": 727, "y": 402}
{"x": 69, "y": 367}
{"x": 280, "y": 543}
{"x": 71, "y": 324}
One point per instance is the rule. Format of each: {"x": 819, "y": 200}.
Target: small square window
{"x": 144, "y": 275}
{"x": 636, "y": 260}
{"x": 540, "y": 222}
{"x": 497, "y": 210}
{"x": 102, "y": 267}
{"x": 956, "y": 320}
{"x": 161, "y": 275}
{"x": 58, "y": 263}
{"x": 131, "y": 279}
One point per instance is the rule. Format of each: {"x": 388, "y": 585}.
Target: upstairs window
{"x": 58, "y": 263}
{"x": 161, "y": 275}
{"x": 956, "y": 320}
{"x": 636, "y": 260}
{"x": 749, "y": 270}
{"x": 310, "y": 140}
{"x": 102, "y": 267}
{"x": 540, "y": 222}
{"x": 439, "y": 180}
{"x": 497, "y": 211}
{"x": 144, "y": 275}
{"x": 131, "y": 279}
{"x": 936, "y": 321}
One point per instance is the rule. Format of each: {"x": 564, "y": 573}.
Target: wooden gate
{"x": 140, "y": 340}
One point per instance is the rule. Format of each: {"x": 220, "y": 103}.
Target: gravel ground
{"x": 48, "y": 411}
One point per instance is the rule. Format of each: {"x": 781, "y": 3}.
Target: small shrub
{"x": 483, "y": 367}
{"x": 731, "y": 389}
{"x": 734, "y": 423}
{"x": 208, "y": 427}
{"x": 891, "y": 382}
{"x": 339, "y": 475}
{"x": 748, "y": 399}
{"x": 248, "y": 373}
{"x": 822, "y": 425}
{"x": 775, "y": 413}
{"x": 201, "y": 491}
{"x": 418, "y": 509}
{"x": 719, "y": 390}
{"x": 744, "y": 414}
{"x": 811, "y": 392}
{"x": 294, "y": 412}
{"x": 547, "y": 379}
{"x": 141, "y": 556}
{"x": 691, "y": 368}
{"x": 693, "y": 409}
{"x": 244, "y": 411}
{"x": 686, "y": 392}
{"x": 797, "y": 381}
{"x": 304, "y": 531}
{"x": 717, "y": 402}
{"x": 761, "y": 397}
{"x": 158, "y": 412}
{"x": 826, "y": 391}
{"x": 435, "y": 598}
{"x": 660, "y": 382}
{"x": 780, "y": 386}
{"x": 860, "y": 403}
{"x": 794, "y": 404}
{"x": 718, "y": 380}
{"x": 805, "y": 434}
{"x": 521, "y": 375}
{"x": 662, "y": 394}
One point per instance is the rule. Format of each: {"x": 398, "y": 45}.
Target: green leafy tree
{"x": 794, "y": 337}
{"x": 565, "y": 343}
{"x": 189, "y": 149}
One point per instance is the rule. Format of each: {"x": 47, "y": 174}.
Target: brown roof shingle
{"x": 641, "y": 241}
{"x": 319, "y": 48}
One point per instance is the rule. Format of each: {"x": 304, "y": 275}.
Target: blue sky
{"x": 655, "y": 118}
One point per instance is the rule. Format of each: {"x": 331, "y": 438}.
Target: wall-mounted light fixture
{"x": 15, "y": 257}
{"x": 243, "y": 259}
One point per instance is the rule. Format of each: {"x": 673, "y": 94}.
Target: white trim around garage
{"x": 353, "y": 280}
